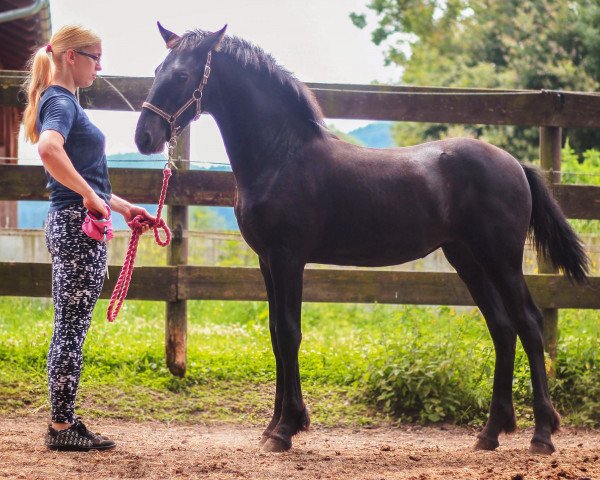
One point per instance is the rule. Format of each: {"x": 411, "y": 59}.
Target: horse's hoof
{"x": 305, "y": 420}
{"x": 264, "y": 438}
{"x": 276, "y": 445}
{"x": 511, "y": 424}
{"x": 486, "y": 444}
{"x": 541, "y": 448}
{"x": 555, "y": 421}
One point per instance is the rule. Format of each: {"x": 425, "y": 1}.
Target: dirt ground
{"x": 159, "y": 451}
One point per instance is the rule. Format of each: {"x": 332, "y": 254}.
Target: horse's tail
{"x": 553, "y": 236}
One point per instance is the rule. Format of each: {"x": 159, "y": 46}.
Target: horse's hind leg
{"x": 502, "y": 262}
{"x": 504, "y": 336}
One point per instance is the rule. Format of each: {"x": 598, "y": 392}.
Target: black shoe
{"x": 76, "y": 438}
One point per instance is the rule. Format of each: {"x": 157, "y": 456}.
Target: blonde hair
{"x": 42, "y": 66}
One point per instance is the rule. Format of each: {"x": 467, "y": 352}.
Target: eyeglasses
{"x": 95, "y": 58}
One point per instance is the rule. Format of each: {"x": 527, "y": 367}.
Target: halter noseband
{"x": 195, "y": 98}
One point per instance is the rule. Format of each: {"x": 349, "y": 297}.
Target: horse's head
{"x": 178, "y": 81}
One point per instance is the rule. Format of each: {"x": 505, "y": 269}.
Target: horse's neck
{"x": 259, "y": 131}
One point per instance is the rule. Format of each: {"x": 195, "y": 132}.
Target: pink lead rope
{"x": 137, "y": 225}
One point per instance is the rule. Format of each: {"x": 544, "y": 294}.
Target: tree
{"x": 550, "y": 44}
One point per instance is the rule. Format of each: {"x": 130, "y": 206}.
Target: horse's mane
{"x": 250, "y": 56}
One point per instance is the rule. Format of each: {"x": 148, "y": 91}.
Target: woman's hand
{"x": 95, "y": 205}
{"x": 135, "y": 210}
{"x": 130, "y": 211}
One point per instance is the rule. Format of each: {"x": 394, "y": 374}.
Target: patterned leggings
{"x": 78, "y": 267}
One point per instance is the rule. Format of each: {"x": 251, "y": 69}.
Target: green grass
{"x": 360, "y": 364}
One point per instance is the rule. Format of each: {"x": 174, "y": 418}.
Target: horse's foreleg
{"x": 279, "y": 371}
{"x": 487, "y": 298}
{"x": 286, "y": 275}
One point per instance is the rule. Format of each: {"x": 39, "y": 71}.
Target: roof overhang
{"x": 21, "y": 37}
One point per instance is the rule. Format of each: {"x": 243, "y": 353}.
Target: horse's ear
{"x": 170, "y": 38}
{"x": 213, "y": 40}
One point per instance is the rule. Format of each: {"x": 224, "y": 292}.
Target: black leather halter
{"x": 195, "y": 98}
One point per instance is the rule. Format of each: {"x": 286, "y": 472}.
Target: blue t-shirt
{"x": 59, "y": 110}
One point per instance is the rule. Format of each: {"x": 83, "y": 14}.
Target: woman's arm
{"x": 128, "y": 210}
{"x": 120, "y": 205}
{"x": 58, "y": 164}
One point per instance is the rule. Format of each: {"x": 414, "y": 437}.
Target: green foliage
{"x": 484, "y": 43}
{"x": 581, "y": 169}
{"x": 234, "y": 253}
{"x": 201, "y": 218}
{"x": 417, "y": 385}
{"x": 445, "y": 373}
{"x": 537, "y": 44}
{"x": 410, "y": 363}
{"x": 577, "y": 385}
{"x": 427, "y": 373}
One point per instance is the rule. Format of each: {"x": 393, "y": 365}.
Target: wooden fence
{"x": 179, "y": 282}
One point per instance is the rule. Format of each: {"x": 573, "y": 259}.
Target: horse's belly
{"x": 375, "y": 253}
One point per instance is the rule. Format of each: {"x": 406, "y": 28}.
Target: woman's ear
{"x": 70, "y": 56}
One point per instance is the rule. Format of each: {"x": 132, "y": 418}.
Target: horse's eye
{"x": 181, "y": 77}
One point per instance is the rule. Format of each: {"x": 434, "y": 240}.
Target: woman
{"x": 72, "y": 151}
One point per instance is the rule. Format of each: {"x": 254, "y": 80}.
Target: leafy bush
{"x": 428, "y": 378}
{"x": 417, "y": 385}
{"x": 580, "y": 169}
{"x": 576, "y": 388}
{"x": 426, "y": 371}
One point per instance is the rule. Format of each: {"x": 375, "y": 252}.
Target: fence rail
{"x": 373, "y": 102}
{"x": 179, "y": 282}
{"x": 195, "y": 187}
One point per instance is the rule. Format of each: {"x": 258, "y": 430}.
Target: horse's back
{"x": 443, "y": 170}
{"x": 454, "y": 167}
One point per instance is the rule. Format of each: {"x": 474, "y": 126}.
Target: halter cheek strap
{"x": 195, "y": 98}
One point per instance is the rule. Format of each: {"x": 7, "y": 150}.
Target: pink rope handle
{"x": 137, "y": 225}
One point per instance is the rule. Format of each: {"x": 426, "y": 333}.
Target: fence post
{"x": 550, "y": 158}
{"x": 177, "y": 218}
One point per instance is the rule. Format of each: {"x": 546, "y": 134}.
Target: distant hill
{"x": 346, "y": 137}
{"x": 136, "y": 160}
{"x": 375, "y": 135}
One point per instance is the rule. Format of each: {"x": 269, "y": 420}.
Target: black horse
{"x": 306, "y": 196}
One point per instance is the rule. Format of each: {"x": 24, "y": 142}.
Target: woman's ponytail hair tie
{"x": 48, "y": 48}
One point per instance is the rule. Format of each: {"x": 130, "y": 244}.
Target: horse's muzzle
{"x": 150, "y": 135}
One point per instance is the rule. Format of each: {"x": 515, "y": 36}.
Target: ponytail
{"x": 40, "y": 76}
{"x": 42, "y": 67}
